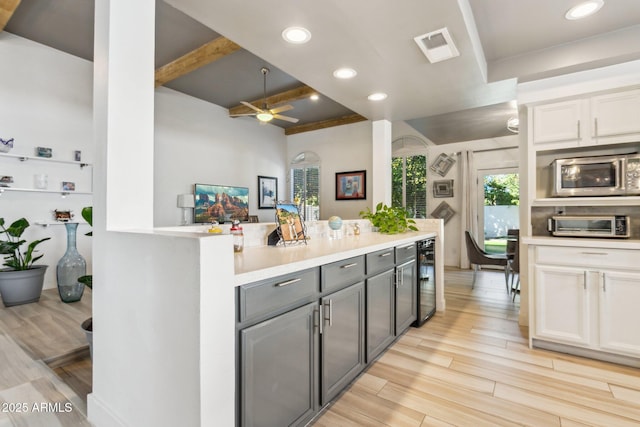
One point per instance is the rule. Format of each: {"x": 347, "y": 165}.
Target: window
{"x": 409, "y": 175}
{"x": 305, "y": 184}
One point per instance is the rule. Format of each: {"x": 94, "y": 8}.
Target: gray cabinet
{"x": 278, "y": 372}
{"x": 406, "y": 296}
{"x": 342, "y": 350}
{"x": 380, "y": 313}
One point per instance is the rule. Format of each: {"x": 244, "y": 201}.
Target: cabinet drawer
{"x": 405, "y": 253}
{"x": 593, "y": 258}
{"x": 342, "y": 273}
{"x": 271, "y": 295}
{"x": 380, "y": 261}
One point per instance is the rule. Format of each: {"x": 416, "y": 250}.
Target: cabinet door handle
{"x": 385, "y": 254}
{"x": 318, "y": 312}
{"x": 578, "y": 129}
{"x": 408, "y": 247}
{"x": 329, "y": 303}
{"x": 288, "y": 282}
{"x": 604, "y": 283}
{"x": 584, "y": 282}
{"x": 595, "y": 125}
{"x": 397, "y": 278}
{"x": 593, "y": 253}
{"x": 353, "y": 264}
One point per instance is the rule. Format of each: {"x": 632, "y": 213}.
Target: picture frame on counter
{"x": 291, "y": 229}
{"x": 351, "y": 185}
{"x": 443, "y": 188}
{"x": 267, "y": 192}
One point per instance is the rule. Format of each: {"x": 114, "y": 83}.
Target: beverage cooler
{"x": 426, "y": 280}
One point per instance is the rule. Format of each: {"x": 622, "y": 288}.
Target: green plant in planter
{"x": 389, "y": 220}
{"x": 14, "y": 258}
{"x": 87, "y": 214}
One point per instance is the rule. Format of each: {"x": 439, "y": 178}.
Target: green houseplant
{"x": 87, "y": 325}
{"x": 389, "y": 220}
{"x": 21, "y": 282}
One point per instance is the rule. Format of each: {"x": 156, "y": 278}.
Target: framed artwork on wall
{"x": 267, "y": 192}
{"x": 351, "y": 185}
{"x": 443, "y": 188}
{"x": 443, "y": 211}
{"x": 442, "y": 164}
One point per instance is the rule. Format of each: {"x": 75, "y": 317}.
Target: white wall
{"x": 197, "y": 142}
{"x": 46, "y": 101}
{"x": 341, "y": 149}
{"x": 488, "y": 154}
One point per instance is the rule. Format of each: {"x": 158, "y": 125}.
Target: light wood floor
{"x": 472, "y": 367}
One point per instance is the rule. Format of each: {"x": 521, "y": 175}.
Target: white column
{"x": 381, "y": 179}
{"x": 124, "y": 113}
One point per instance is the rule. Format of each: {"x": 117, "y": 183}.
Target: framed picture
{"x": 222, "y": 203}
{"x": 442, "y": 164}
{"x": 351, "y": 185}
{"x": 290, "y": 223}
{"x": 443, "y": 188}
{"x": 68, "y": 186}
{"x": 267, "y": 192}
{"x": 443, "y": 211}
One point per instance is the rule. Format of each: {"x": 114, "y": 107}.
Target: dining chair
{"x": 479, "y": 257}
{"x": 514, "y": 267}
{"x": 513, "y": 239}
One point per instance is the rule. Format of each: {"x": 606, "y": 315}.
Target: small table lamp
{"x": 186, "y": 201}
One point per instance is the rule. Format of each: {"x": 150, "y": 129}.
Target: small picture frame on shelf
{"x": 443, "y": 188}
{"x": 77, "y": 156}
{"x": 45, "y": 152}
{"x": 68, "y": 186}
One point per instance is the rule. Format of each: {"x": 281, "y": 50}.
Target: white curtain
{"x": 469, "y": 206}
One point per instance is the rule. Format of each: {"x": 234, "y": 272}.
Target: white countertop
{"x": 262, "y": 262}
{"x": 582, "y": 242}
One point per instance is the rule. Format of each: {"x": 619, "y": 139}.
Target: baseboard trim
{"x": 588, "y": 353}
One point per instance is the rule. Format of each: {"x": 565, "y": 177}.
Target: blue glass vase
{"x": 70, "y": 267}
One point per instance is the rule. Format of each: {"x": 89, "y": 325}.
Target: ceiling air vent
{"x": 437, "y": 45}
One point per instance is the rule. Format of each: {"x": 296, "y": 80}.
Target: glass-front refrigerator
{"x": 426, "y": 279}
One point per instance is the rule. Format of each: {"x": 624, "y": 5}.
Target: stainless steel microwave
{"x": 608, "y": 226}
{"x": 617, "y": 175}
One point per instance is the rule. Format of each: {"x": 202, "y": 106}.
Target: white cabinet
{"x": 562, "y": 304}
{"x": 603, "y": 119}
{"x": 619, "y": 314}
{"x": 615, "y": 114}
{"x": 587, "y": 297}
{"x": 556, "y": 122}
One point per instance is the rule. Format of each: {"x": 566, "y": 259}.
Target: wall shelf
{"x": 35, "y": 190}
{"x": 45, "y": 159}
{"x": 588, "y": 201}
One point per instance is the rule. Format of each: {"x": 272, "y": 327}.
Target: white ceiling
{"x": 501, "y": 42}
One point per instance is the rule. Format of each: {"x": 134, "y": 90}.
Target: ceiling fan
{"x": 266, "y": 114}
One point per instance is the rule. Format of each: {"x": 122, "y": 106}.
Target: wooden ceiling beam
{"x": 276, "y": 100}
{"x": 307, "y": 127}
{"x": 205, "y": 54}
{"x": 7, "y": 7}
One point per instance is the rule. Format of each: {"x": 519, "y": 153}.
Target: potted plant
{"x": 21, "y": 282}
{"x": 389, "y": 220}
{"x": 87, "y": 325}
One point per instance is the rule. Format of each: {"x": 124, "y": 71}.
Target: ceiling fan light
{"x": 296, "y": 35}
{"x": 584, "y": 9}
{"x": 264, "y": 116}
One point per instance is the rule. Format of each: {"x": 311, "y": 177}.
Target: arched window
{"x": 409, "y": 175}
{"x": 305, "y": 184}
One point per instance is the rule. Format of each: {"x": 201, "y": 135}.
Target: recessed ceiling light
{"x": 584, "y": 9}
{"x": 378, "y": 96}
{"x": 314, "y": 97}
{"x": 296, "y": 35}
{"x": 344, "y": 73}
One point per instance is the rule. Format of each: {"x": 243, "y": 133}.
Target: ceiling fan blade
{"x": 253, "y": 107}
{"x": 242, "y": 115}
{"x": 281, "y": 109}
{"x": 285, "y": 118}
